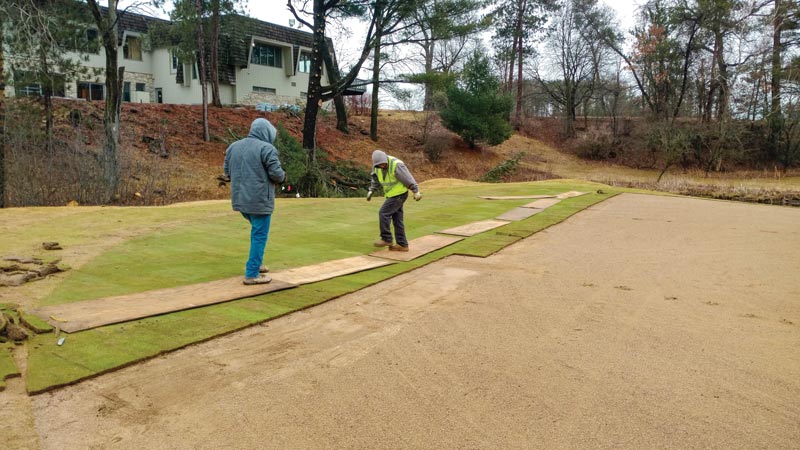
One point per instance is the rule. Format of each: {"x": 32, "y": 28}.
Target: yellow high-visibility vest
{"x": 391, "y": 187}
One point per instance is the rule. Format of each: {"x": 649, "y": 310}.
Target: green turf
{"x": 305, "y": 231}
{"x": 34, "y": 323}
{"x": 8, "y": 368}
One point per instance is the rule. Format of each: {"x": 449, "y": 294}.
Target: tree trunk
{"x": 427, "y": 104}
{"x": 373, "y": 119}
{"x": 376, "y": 71}
{"x": 775, "y": 113}
{"x": 201, "y": 50}
{"x": 108, "y": 27}
{"x": 215, "y": 100}
{"x": 511, "y": 63}
{"x": 2, "y": 125}
{"x": 722, "y": 75}
{"x": 338, "y": 100}
{"x": 47, "y": 102}
{"x": 520, "y": 58}
{"x": 569, "y": 112}
{"x": 314, "y": 99}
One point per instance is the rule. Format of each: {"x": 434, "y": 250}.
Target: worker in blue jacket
{"x": 253, "y": 167}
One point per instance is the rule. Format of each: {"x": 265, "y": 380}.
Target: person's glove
{"x": 418, "y": 196}
{"x": 369, "y": 195}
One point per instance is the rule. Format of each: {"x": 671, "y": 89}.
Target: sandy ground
{"x": 642, "y": 322}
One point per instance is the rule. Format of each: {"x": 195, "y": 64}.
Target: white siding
{"x": 288, "y": 88}
{"x": 155, "y": 70}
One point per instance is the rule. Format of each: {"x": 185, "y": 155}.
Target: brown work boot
{"x": 398, "y": 248}
{"x": 382, "y": 243}
{"x": 261, "y": 279}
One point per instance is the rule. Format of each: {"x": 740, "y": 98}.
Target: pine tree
{"x": 477, "y": 110}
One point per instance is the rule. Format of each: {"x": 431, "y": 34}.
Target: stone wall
{"x": 251, "y": 98}
{"x": 146, "y": 78}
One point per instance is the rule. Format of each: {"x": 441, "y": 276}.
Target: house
{"x": 258, "y": 62}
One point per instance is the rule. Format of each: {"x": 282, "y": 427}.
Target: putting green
{"x": 304, "y": 232}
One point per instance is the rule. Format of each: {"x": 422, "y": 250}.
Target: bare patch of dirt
{"x": 498, "y": 352}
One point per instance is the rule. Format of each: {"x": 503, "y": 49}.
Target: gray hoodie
{"x": 254, "y": 168}
{"x": 402, "y": 173}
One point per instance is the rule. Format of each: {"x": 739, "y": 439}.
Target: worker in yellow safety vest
{"x": 396, "y": 180}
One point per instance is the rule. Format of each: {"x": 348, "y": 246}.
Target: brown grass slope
{"x": 165, "y": 142}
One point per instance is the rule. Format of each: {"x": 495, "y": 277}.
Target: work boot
{"x": 261, "y": 279}
{"x": 263, "y": 269}
{"x": 382, "y": 243}
{"x": 398, "y": 248}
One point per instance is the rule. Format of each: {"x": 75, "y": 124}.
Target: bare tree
{"x": 517, "y": 23}
{"x": 389, "y": 17}
{"x": 434, "y": 22}
{"x": 575, "y": 56}
{"x": 317, "y": 93}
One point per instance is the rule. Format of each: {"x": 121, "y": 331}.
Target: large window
{"x": 92, "y": 42}
{"x": 173, "y": 56}
{"x": 132, "y": 48}
{"x": 91, "y": 91}
{"x": 28, "y": 84}
{"x": 304, "y": 65}
{"x": 266, "y": 55}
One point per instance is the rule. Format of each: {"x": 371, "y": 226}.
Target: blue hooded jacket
{"x": 254, "y": 168}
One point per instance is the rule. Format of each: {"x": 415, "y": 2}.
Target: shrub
{"x": 504, "y": 170}
{"x": 597, "y": 147}
{"x": 476, "y": 110}
{"x": 435, "y": 145}
{"x": 292, "y": 154}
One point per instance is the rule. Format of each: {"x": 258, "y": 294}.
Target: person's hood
{"x": 379, "y": 157}
{"x": 262, "y": 130}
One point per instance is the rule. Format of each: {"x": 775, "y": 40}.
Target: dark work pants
{"x": 392, "y": 211}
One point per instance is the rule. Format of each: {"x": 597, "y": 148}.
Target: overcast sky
{"x": 275, "y": 11}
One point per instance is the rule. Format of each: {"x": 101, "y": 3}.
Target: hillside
{"x": 197, "y": 163}
{"x": 164, "y": 159}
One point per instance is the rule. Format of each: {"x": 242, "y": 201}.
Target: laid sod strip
{"x": 514, "y": 197}
{"x": 330, "y": 269}
{"x": 8, "y": 368}
{"x": 471, "y": 229}
{"x": 78, "y": 316}
{"x": 418, "y": 247}
{"x": 518, "y": 214}
{"x": 484, "y": 245}
{"x": 542, "y": 204}
{"x": 89, "y": 353}
{"x": 551, "y": 216}
{"x": 571, "y": 194}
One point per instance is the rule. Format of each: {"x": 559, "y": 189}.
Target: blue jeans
{"x": 259, "y": 232}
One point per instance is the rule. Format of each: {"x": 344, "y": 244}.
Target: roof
{"x": 130, "y": 21}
